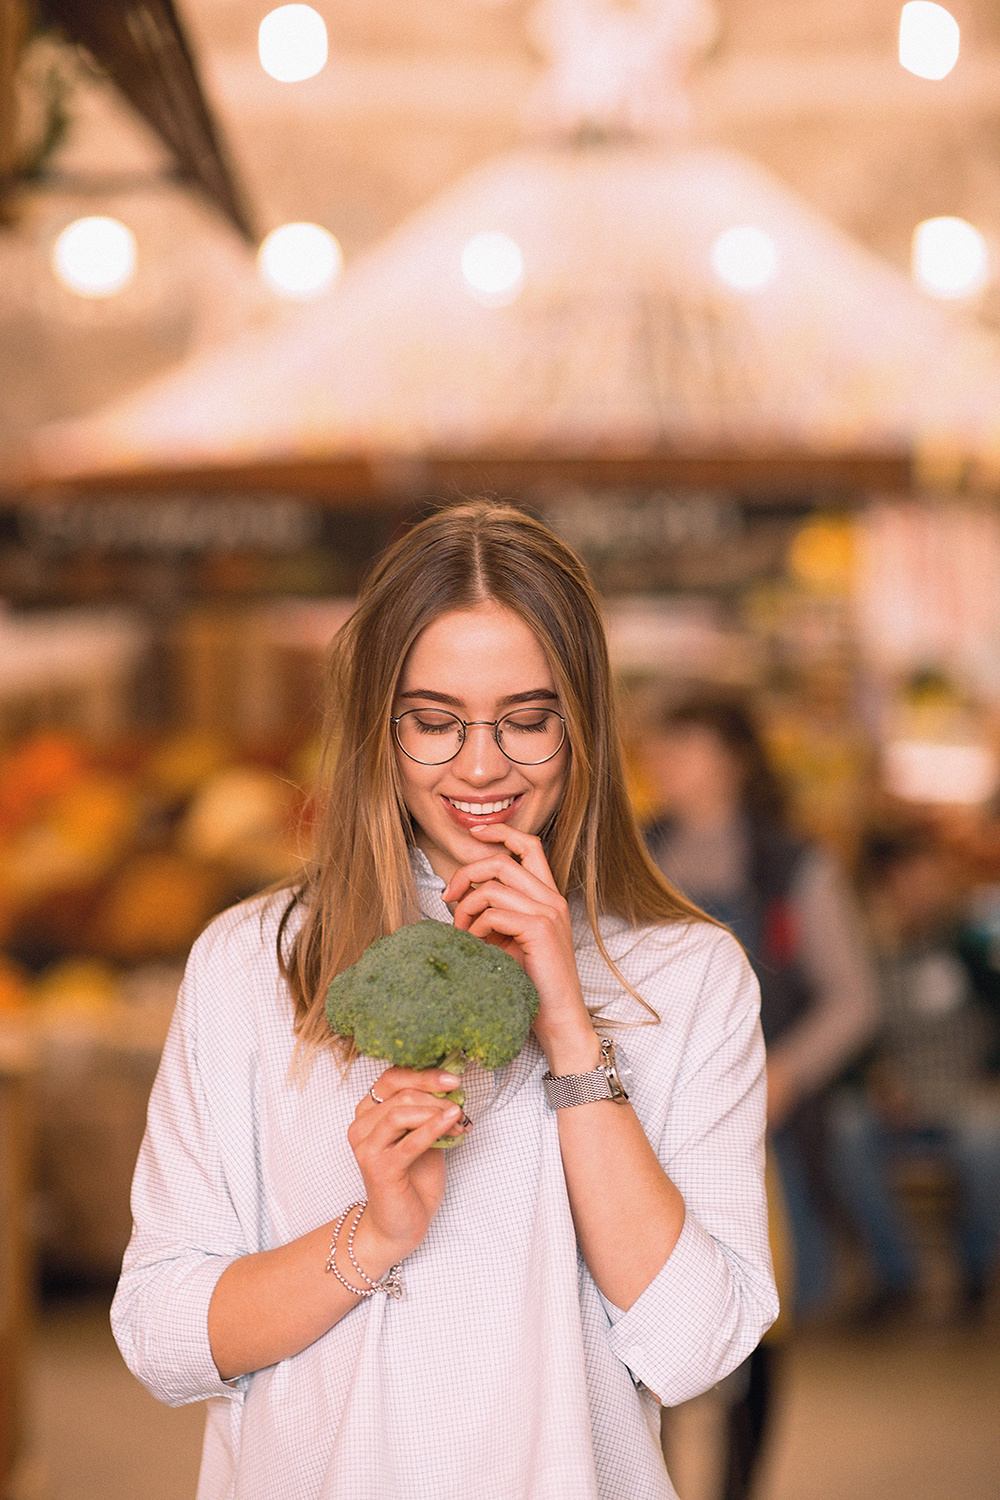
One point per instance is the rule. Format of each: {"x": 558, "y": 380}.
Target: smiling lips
{"x": 479, "y": 811}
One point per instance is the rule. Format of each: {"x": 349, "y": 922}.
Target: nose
{"x": 480, "y": 759}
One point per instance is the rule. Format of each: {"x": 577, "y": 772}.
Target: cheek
{"x": 412, "y": 780}
{"x": 556, "y": 784}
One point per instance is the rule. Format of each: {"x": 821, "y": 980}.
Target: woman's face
{"x": 479, "y": 664}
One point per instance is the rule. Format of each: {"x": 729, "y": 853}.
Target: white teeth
{"x": 481, "y": 809}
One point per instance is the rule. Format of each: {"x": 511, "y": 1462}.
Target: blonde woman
{"x": 598, "y": 1241}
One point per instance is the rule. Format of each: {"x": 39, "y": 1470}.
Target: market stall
{"x": 735, "y": 445}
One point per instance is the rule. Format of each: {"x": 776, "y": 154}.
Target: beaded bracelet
{"x": 390, "y": 1282}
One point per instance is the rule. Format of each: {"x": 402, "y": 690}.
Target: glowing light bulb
{"x": 929, "y": 39}
{"x": 745, "y": 257}
{"x": 949, "y": 258}
{"x": 493, "y": 267}
{"x": 292, "y": 43}
{"x": 95, "y": 256}
{"x": 300, "y": 260}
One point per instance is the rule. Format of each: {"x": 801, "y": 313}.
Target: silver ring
{"x": 375, "y": 1096}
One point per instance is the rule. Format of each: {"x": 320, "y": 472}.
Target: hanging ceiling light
{"x": 745, "y": 258}
{"x": 95, "y": 256}
{"x": 950, "y": 258}
{"x": 292, "y": 43}
{"x": 493, "y": 268}
{"x": 929, "y": 39}
{"x": 299, "y": 261}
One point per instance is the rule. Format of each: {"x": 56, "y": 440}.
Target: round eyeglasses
{"x": 432, "y": 736}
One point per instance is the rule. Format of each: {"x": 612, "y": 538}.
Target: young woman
{"x": 598, "y": 1241}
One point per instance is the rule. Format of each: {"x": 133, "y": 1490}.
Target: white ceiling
{"x": 419, "y": 91}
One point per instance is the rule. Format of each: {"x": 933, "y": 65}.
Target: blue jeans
{"x": 863, "y": 1149}
{"x": 812, "y": 1248}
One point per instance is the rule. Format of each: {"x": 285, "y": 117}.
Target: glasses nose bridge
{"x": 467, "y": 724}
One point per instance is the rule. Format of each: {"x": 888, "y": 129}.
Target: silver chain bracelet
{"x": 390, "y": 1283}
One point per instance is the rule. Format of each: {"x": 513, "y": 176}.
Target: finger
{"x": 526, "y": 848}
{"x": 539, "y": 939}
{"x": 505, "y": 941}
{"x": 476, "y": 873}
{"x": 502, "y": 871}
{"x": 504, "y": 930}
{"x": 368, "y": 1114}
{"x": 396, "y": 1159}
{"x": 537, "y": 919}
{"x": 381, "y": 1135}
{"x": 496, "y": 893}
{"x": 393, "y": 1080}
{"x": 403, "y": 1120}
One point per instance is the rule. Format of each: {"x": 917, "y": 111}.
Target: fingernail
{"x": 465, "y": 1122}
{"x": 450, "y": 1080}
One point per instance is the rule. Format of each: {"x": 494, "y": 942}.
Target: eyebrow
{"x": 543, "y": 695}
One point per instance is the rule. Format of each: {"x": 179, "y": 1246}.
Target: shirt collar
{"x": 429, "y": 886}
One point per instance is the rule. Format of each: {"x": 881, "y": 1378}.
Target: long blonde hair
{"x": 359, "y": 884}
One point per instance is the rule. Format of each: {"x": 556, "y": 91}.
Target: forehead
{"x": 482, "y": 652}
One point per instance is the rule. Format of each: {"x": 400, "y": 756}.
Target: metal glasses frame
{"x": 466, "y": 724}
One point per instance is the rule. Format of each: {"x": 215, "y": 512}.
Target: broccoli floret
{"x": 431, "y": 995}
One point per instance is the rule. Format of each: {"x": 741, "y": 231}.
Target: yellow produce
{"x": 239, "y": 817}
{"x": 97, "y": 815}
{"x": 184, "y": 760}
{"x": 77, "y": 984}
{"x": 157, "y": 905}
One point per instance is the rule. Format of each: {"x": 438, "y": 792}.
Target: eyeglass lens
{"x": 432, "y": 736}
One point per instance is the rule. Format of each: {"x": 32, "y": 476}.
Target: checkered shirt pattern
{"x": 503, "y": 1373}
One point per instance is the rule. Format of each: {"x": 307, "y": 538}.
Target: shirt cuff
{"x": 180, "y": 1368}
{"x": 689, "y": 1328}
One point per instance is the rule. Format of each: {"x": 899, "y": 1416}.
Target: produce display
{"x": 113, "y": 858}
{"x": 430, "y": 995}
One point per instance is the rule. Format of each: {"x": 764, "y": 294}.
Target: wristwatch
{"x": 609, "y": 1080}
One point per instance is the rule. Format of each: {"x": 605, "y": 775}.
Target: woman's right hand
{"x": 404, "y": 1175}
{"x": 272, "y": 1304}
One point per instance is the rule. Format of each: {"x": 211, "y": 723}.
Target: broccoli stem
{"x": 455, "y": 1062}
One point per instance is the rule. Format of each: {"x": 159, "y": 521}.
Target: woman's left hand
{"x": 510, "y": 899}
{"x": 628, "y": 1214}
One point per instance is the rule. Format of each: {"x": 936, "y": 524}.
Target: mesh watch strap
{"x": 586, "y": 1088}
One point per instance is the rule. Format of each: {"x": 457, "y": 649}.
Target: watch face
{"x": 623, "y": 1068}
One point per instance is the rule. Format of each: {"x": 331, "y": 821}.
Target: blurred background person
{"x": 930, "y": 1086}
{"x": 724, "y": 838}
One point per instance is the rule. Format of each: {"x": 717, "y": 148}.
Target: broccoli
{"x": 431, "y": 995}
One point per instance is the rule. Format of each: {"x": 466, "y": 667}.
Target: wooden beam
{"x": 13, "y": 31}
{"x": 379, "y": 480}
{"x": 142, "y": 46}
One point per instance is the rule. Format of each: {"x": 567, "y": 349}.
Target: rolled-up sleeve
{"x": 714, "y": 1297}
{"x": 186, "y": 1230}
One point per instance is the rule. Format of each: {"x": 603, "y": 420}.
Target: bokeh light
{"x": 929, "y": 39}
{"x": 95, "y": 256}
{"x": 745, "y": 257}
{"x": 493, "y": 267}
{"x": 928, "y": 772}
{"x": 300, "y": 260}
{"x": 950, "y": 258}
{"x": 292, "y": 43}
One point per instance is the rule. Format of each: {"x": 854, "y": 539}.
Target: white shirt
{"x": 502, "y": 1374}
